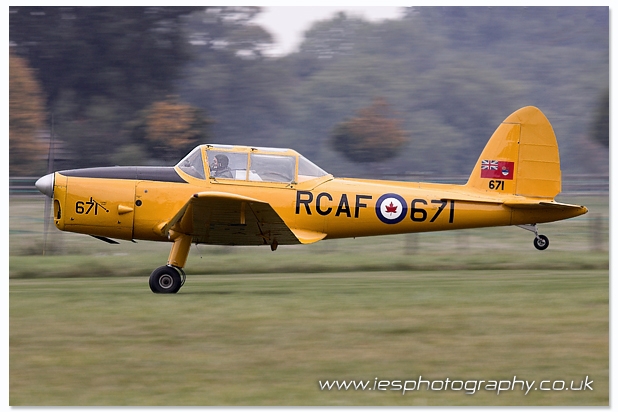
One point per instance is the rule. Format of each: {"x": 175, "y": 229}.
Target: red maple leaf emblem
{"x": 391, "y": 209}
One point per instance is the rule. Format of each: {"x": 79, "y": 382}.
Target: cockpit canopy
{"x": 253, "y": 164}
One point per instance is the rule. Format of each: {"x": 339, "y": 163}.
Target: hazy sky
{"x": 287, "y": 24}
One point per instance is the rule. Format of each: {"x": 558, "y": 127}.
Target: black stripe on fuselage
{"x": 158, "y": 174}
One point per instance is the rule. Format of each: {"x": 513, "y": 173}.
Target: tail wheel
{"x": 166, "y": 279}
{"x": 541, "y": 242}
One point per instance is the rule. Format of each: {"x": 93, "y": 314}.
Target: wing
{"x": 218, "y": 218}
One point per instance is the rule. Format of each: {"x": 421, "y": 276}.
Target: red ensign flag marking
{"x": 497, "y": 169}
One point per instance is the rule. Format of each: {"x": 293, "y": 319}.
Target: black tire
{"x": 165, "y": 279}
{"x": 541, "y": 242}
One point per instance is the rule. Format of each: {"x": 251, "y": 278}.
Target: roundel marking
{"x": 391, "y": 208}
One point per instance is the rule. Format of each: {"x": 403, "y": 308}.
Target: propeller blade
{"x": 49, "y": 197}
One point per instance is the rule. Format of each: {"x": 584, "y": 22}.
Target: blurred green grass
{"x": 268, "y": 339}
{"x": 580, "y": 243}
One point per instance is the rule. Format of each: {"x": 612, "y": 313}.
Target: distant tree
{"x": 336, "y": 37}
{"x": 170, "y": 129}
{"x": 234, "y": 80}
{"x": 98, "y": 66}
{"x": 372, "y": 136}
{"x": 600, "y": 127}
{"x": 101, "y": 66}
{"x": 230, "y": 29}
{"x": 26, "y": 118}
{"x": 128, "y": 53}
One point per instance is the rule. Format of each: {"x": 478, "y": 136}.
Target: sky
{"x": 287, "y": 24}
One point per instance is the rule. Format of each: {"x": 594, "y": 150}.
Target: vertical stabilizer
{"x": 520, "y": 158}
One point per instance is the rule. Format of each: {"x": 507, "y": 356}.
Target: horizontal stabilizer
{"x": 527, "y": 204}
{"x": 514, "y": 202}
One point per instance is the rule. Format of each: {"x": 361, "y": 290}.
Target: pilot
{"x": 219, "y": 167}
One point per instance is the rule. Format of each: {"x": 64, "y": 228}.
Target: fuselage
{"x": 134, "y": 202}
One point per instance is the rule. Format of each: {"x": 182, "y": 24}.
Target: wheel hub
{"x": 166, "y": 281}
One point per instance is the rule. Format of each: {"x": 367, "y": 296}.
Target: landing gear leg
{"x": 171, "y": 277}
{"x": 541, "y": 242}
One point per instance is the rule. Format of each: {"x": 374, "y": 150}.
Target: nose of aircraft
{"x": 46, "y": 185}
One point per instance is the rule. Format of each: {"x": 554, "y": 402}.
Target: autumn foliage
{"x": 27, "y": 154}
{"x": 371, "y": 136}
{"x": 170, "y": 128}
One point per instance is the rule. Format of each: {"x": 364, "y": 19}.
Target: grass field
{"x": 264, "y": 328}
{"x": 269, "y": 339}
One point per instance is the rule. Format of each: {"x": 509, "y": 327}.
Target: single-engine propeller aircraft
{"x": 236, "y": 195}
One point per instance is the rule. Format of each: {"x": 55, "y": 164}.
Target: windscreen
{"x": 308, "y": 170}
{"x": 192, "y": 164}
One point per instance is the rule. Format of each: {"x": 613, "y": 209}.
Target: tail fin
{"x": 520, "y": 158}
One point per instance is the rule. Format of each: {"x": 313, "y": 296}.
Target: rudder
{"x": 520, "y": 158}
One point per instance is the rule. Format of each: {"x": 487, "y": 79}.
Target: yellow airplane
{"x": 236, "y": 195}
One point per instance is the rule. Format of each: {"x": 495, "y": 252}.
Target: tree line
{"x": 143, "y": 85}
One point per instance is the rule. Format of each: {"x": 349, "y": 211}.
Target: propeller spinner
{"x": 46, "y": 185}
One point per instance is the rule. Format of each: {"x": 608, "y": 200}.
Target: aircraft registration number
{"x": 390, "y": 208}
{"x": 496, "y": 184}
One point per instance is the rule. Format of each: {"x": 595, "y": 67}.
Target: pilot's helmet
{"x": 222, "y": 160}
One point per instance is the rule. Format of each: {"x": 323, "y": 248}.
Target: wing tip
{"x": 308, "y": 236}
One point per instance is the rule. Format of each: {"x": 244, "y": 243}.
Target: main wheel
{"x": 541, "y": 242}
{"x": 165, "y": 279}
